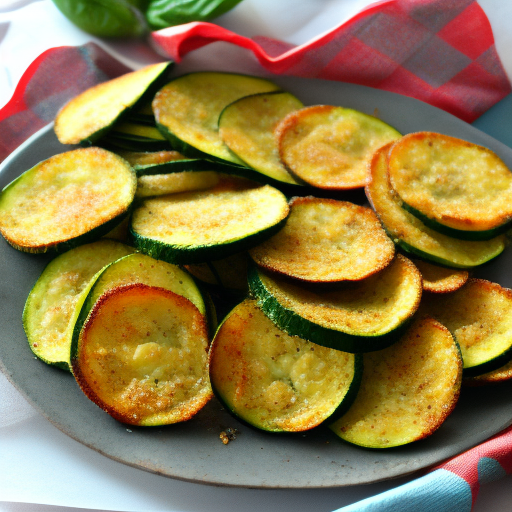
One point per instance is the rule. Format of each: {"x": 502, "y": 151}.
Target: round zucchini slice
{"x": 142, "y": 356}
{"x": 407, "y": 390}
{"x": 479, "y": 315}
{"x": 329, "y": 147}
{"x": 502, "y": 374}
{"x": 140, "y": 268}
{"x": 187, "y": 110}
{"x": 247, "y": 127}
{"x": 200, "y": 226}
{"x": 88, "y": 116}
{"x": 277, "y": 382}
{"x": 325, "y": 240}
{"x": 366, "y": 315}
{"x": 54, "y": 302}
{"x": 69, "y": 199}
{"x": 437, "y": 279}
{"x": 454, "y": 186}
{"x": 411, "y": 235}
{"x": 169, "y": 172}
{"x": 141, "y": 159}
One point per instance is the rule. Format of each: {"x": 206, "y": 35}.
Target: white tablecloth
{"x": 40, "y": 467}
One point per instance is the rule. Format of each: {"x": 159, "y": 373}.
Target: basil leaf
{"x": 106, "y": 18}
{"x": 166, "y": 13}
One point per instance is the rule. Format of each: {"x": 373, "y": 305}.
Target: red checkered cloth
{"x": 50, "y": 81}
{"x": 439, "y": 51}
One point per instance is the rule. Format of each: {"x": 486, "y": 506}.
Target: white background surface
{"x": 41, "y": 469}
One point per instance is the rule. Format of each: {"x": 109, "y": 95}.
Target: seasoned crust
{"x": 454, "y": 182}
{"x": 325, "y": 240}
{"x": 142, "y": 356}
{"x": 329, "y": 147}
{"x": 411, "y": 234}
{"x": 407, "y": 390}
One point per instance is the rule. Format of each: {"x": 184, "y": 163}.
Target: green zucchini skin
{"x": 129, "y": 265}
{"x": 244, "y": 85}
{"x": 157, "y": 83}
{"x": 408, "y": 249}
{"x": 217, "y": 164}
{"x": 59, "y": 246}
{"x": 406, "y": 229}
{"x": 184, "y": 148}
{"x": 489, "y": 366}
{"x": 336, "y": 415}
{"x": 267, "y": 425}
{"x": 295, "y": 325}
{"x": 182, "y": 255}
{"x": 132, "y": 143}
{"x": 477, "y": 236}
{"x": 77, "y": 269}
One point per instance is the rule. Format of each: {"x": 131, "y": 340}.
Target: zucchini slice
{"x": 67, "y": 200}
{"x": 88, "y": 116}
{"x": 200, "y": 226}
{"x": 456, "y": 187}
{"x": 479, "y": 315}
{"x": 325, "y": 240}
{"x": 411, "y": 235}
{"x": 438, "y": 279}
{"x": 247, "y": 127}
{"x": 142, "y": 356}
{"x": 169, "y": 172}
{"x": 140, "y": 268}
{"x": 366, "y": 315}
{"x": 502, "y": 374}
{"x": 329, "y": 147}
{"x": 142, "y": 159}
{"x": 277, "y": 382}
{"x": 187, "y": 110}
{"x": 407, "y": 390}
{"x": 54, "y": 302}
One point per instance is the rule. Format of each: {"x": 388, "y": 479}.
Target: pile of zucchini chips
{"x": 217, "y": 188}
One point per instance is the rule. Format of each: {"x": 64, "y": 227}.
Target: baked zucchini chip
{"x": 437, "y": 279}
{"x": 54, "y": 302}
{"x": 329, "y": 147}
{"x": 142, "y": 356}
{"x": 247, "y": 127}
{"x": 412, "y": 236}
{"x": 456, "y": 187}
{"x": 187, "y": 110}
{"x": 479, "y": 315}
{"x": 277, "y": 382}
{"x": 200, "y": 226}
{"x": 88, "y": 116}
{"x": 128, "y": 135}
{"x": 169, "y": 172}
{"x": 325, "y": 240}
{"x": 358, "y": 317}
{"x": 407, "y": 390}
{"x": 502, "y": 374}
{"x": 140, "y": 268}
{"x": 70, "y": 199}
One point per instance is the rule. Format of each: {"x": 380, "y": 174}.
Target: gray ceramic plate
{"x": 192, "y": 451}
